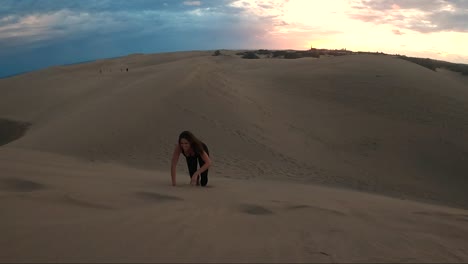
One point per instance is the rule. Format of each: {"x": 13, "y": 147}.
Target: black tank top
{"x": 197, "y": 155}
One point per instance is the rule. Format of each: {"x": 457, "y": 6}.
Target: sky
{"x": 35, "y": 34}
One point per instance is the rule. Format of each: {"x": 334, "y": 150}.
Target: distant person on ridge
{"x": 194, "y": 151}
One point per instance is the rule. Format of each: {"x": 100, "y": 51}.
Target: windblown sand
{"x": 359, "y": 158}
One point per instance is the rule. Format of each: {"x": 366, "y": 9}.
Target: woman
{"x": 194, "y": 151}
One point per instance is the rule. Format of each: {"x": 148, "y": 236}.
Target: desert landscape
{"x": 350, "y": 158}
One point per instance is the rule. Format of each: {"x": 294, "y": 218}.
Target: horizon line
{"x": 194, "y": 50}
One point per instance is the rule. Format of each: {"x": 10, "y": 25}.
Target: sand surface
{"x": 358, "y": 158}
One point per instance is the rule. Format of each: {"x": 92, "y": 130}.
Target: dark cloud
{"x": 460, "y": 4}
{"x": 423, "y": 5}
{"x": 24, "y": 21}
{"x": 435, "y": 15}
{"x": 455, "y": 21}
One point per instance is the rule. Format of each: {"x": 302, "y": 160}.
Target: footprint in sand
{"x": 255, "y": 209}
{"x": 19, "y": 185}
{"x": 156, "y": 197}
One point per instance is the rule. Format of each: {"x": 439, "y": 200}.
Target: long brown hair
{"x": 195, "y": 143}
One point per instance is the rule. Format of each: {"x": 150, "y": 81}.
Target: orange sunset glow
{"x": 349, "y": 24}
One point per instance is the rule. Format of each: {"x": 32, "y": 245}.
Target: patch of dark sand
{"x": 85, "y": 204}
{"x": 20, "y": 185}
{"x": 157, "y": 197}
{"x": 316, "y": 208}
{"x": 11, "y": 130}
{"x": 255, "y": 209}
{"x": 299, "y": 206}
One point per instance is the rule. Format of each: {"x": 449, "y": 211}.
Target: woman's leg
{"x": 192, "y": 165}
{"x": 203, "y": 175}
{"x": 201, "y": 162}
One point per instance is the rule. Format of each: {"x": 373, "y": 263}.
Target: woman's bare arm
{"x": 175, "y": 159}
{"x": 207, "y": 161}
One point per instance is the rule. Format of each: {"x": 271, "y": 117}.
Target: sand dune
{"x": 307, "y": 155}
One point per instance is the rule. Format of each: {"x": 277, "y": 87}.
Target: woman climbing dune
{"x": 195, "y": 152}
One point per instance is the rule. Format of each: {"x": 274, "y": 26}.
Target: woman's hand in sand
{"x": 194, "y": 180}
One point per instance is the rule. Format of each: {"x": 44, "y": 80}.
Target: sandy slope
{"x": 374, "y": 123}
{"x": 55, "y": 208}
{"x": 89, "y": 179}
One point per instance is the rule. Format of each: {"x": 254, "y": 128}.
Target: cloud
{"x": 192, "y": 3}
{"x": 120, "y": 27}
{"x": 38, "y": 23}
{"x": 423, "y": 16}
{"x": 24, "y": 7}
{"x": 397, "y": 32}
{"x": 66, "y": 24}
{"x": 366, "y": 17}
{"x": 267, "y": 14}
{"x": 23, "y": 22}
{"x": 450, "y": 20}
{"x": 383, "y": 5}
